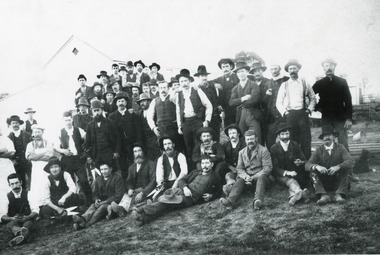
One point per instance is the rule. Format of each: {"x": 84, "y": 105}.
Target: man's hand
{"x": 156, "y": 132}
{"x": 269, "y": 92}
{"x": 348, "y": 124}
{"x": 321, "y": 169}
{"x": 67, "y": 152}
{"x": 97, "y": 203}
{"x": 298, "y": 162}
{"x": 207, "y": 197}
{"x": 218, "y": 86}
{"x": 62, "y": 201}
{"x": 60, "y": 210}
{"x": 130, "y": 192}
{"x": 291, "y": 173}
{"x": 187, "y": 192}
{"x": 245, "y": 98}
{"x": 333, "y": 170}
{"x": 139, "y": 197}
{"x": 116, "y": 155}
{"x": 180, "y": 131}
{"x": 205, "y": 123}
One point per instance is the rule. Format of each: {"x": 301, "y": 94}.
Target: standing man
{"x": 115, "y": 76}
{"x": 103, "y": 141}
{"x": 82, "y": 118}
{"x": 273, "y": 117}
{"x": 30, "y": 121}
{"x": 104, "y": 79}
{"x": 153, "y": 87}
{"x": 334, "y": 101}
{"x": 154, "y": 68}
{"x": 295, "y": 102}
{"x": 228, "y": 81}
{"x": 246, "y": 97}
{"x": 20, "y": 139}
{"x": 131, "y": 79}
{"x": 141, "y": 76}
{"x": 128, "y": 131}
{"x": 213, "y": 95}
{"x": 254, "y": 166}
{"x": 84, "y": 90}
{"x": 193, "y": 109}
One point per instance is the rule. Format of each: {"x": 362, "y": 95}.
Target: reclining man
{"x": 197, "y": 187}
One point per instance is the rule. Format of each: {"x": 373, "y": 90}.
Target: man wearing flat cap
{"x": 330, "y": 166}
{"x": 295, "y": 102}
{"x": 289, "y": 165}
{"x": 335, "y": 102}
{"x": 154, "y": 74}
{"x": 254, "y": 167}
{"x": 246, "y": 98}
{"x": 141, "y": 76}
{"x": 228, "y": 81}
{"x": 198, "y": 187}
{"x": 84, "y": 90}
{"x": 20, "y": 139}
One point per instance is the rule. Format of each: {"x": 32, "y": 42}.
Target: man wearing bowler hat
{"x": 228, "y": 81}
{"x": 198, "y": 187}
{"x": 289, "y": 165}
{"x": 154, "y": 74}
{"x": 334, "y": 101}
{"x": 246, "y": 98}
{"x": 141, "y": 76}
{"x": 128, "y": 129}
{"x": 295, "y": 102}
{"x": 30, "y": 121}
{"x": 214, "y": 96}
{"x": 82, "y": 118}
{"x": 103, "y": 142}
{"x": 20, "y": 139}
{"x": 193, "y": 109}
{"x": 330, "y": 166}
{"x": 84, "y": 90}
{"x": 103, "y": 79}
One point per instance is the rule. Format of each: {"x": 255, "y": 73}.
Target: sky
{"x": 185, "y": 34}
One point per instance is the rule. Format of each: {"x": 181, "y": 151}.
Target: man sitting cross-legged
{"x": 197, "y": 187}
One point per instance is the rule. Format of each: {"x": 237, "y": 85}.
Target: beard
{"x": 169, "y": 152}
{"x": 139, "y": 159}
{"x": 285, "y": 140}
{"x": 98, "y": 117}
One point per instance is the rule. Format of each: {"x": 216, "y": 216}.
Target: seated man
{"x": 108, "y": 188}
{"x": 330, "y": 165}
{"x": 208, "y": 146}
{"x": 171, "y": 166}
{"x": 254, "y": 165}
{"x": 20, "y": 217}
{"x": 288, "y": 165}
{"x": 59, "y": 192}
{"x": 197, "y": 187}
{"x": 140, "y": 182}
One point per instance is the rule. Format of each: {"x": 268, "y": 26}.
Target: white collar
{"x": 122, "y": 112}
{"x": 17, "y": 133}
{"x": 329, "y": 147}
{"x": 17, "y": 195}
{"x": 285, "y": 145}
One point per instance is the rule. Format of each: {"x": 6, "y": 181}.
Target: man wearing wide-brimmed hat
{"x": 197, "y": 187}
{"x": 330, "y": 166}
{"x": 193, "y": 110}
{"x": 103, "y": 78}
{"x": 289, "y": 165}
{"x": 97, "y": 89}
{"x": 153, "y": 87}
{"x": 108, "y": 96}
{"x": 84, "y": 90}
{"x": 20, "y": 139}
{"x": 246, "y": 97}
{"x": 82, "y": 118}
{"x": 154, "y": 74}
{"x": 141, "y": 76}
{"x": 335, "y": 102}
{"x": 30, "y": 121}
{"x": 228, "y": 81}
{"x": 295, "y": 102}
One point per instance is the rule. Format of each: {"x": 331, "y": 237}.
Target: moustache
{"x": 292, "y": 73}
{"x": 251, "y": 143}
{"x": 16, "y": 189}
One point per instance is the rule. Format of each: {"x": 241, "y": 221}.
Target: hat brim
{"x": 292, "y": 64}
{"x": 264, "y": 68}
{"x": 224, "y": 61}
{"x": 99, "y": 75}
{"x": 233, "y": 126}
{"x": 329, "y": 133}
{"x": 243, "y": 67}
{"x": 158, "y": 67}
{"x": 55, "y": 162}
{"x": 283, "y": 129}
{"x": 88, "y": 105}
{"x": 186, "y": 76}
{"x": 205, "y": 130}
{"x": 197, "y": 74}
{"x": 19, "y": 121}
{"x": 30, "y": 112}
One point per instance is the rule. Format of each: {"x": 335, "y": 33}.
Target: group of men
{"x": 149, "y": 146}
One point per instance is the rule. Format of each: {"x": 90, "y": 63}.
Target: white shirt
{"x": 329, "y": 149}
{"x": 70, "y": 132}
{"x": 138, "y": 167}
{"x": 285, "y": 146}
{"x": 4, "y": 205}
{"x": 172, "y": 177}
{"x": 69, "y": 182}
{"x": 17, "y": 133}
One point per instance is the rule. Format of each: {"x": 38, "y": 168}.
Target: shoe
{"x": 339, "y": 199}
{"x": 138, "y": 218}
{"x": 257, "y": 204}
{"x": 295, "y": 198}
{"x": 226, "y": 203}
{"x": 354, "y": 178}
{"x": 79, "y": 220}
{"x": 306, "y": 195}
{"x": 119, "y": 210}
{"x": 324, "y": 200}
{"x": 16, "y": 241}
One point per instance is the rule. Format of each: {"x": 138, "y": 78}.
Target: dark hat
{"x": 139, "y": 62}
{"x": 282, "y": 127}
{"x": 226, "y": 61}
{"x": 250, "y": 132}
{"x": 258, "y": 65}
{"x": 114, "y": 64}
{"x": 29, "y": 109}
{"x": 91, "y": 96}
{"x": 233, "y": 126}
{"x": 123, "y": 68}
{"x": 204, "y": 130}
{"x": 136, "y": 86}
{"x": 81, "y": 76}
{"x": 14, "y": 118}
{"x": 97, "y": 84}
{"x": 121, "y": 95}
{"x": 130, "y": 63}
{"x": 161, "y": 141}
{"x": 53, "y": 161}
{"x": 329, "y": 60}
{"x": 143, "y": 96}
{"x": 171, "y": 196}
{"x": 102, "y": 73}
{"x": 172, "y": 80}
{"x": 327, "y": 130}
{"x": 109, "y": 91}
{"x": 241, "y": 65}
{"x": 184, "y": 73}
{"x": 138, "y": 145}
{"x": 83, "y": 101}
{"x": 153, "y": 82}
{"x": 96, "y": 104}
{"x": 156, "y": 65}
{"x": 201, "y": 71}
{"x": 292, "y": 62}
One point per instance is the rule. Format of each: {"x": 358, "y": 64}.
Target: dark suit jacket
{"x": 217, "y": 151}
{"x": 339, "y": 156}
{"x": 335, "y": 98}
{"x": 147, "y": 173}
{"x": 227, "y": 87}
{"x": 129, "y": 130}
{"x": 285, "y": 161}
{"x": 232, "y": 155}
{"x": 111, "y": 190}
{"x": 86, "y": 93}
